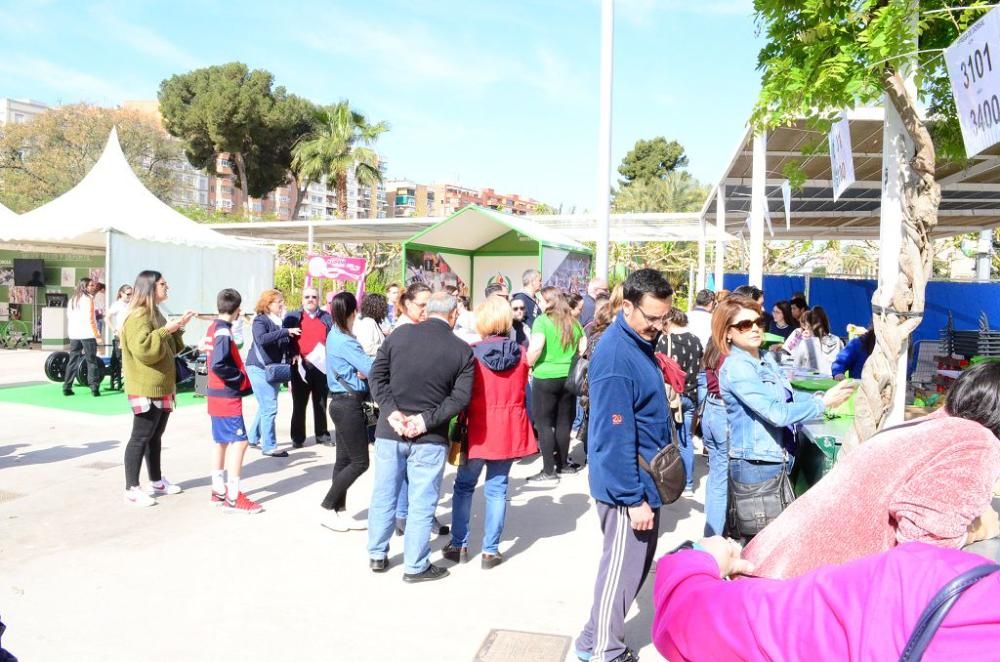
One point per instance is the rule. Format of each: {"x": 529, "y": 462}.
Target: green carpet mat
{"x": 50, "y": 396}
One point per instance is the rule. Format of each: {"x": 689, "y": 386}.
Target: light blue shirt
{"x": 345, "y": 359}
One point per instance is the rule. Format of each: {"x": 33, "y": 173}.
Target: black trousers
{"x": 554, "y": 409}
{"x": 352, "y": 447}
{"x": 80, "y": 351}
{"x": 314, "y": 386}
{"x": 146, "y": 441}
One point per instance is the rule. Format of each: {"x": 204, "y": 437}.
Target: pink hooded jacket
{"x": 865, "y": 610}
{"x": 922, "y": 481}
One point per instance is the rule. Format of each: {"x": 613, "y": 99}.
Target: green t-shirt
{"x": 555, "y": 359}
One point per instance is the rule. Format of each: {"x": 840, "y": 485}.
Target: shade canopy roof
{"x": 624, "y": 228}
{"x": 970, "y": 193}
{"x": 112, "y": 198}
{"x": 473, "y": 227}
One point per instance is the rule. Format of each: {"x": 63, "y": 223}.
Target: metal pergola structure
{"x": 624, "y": 228}
{"x": 970, "y": 193}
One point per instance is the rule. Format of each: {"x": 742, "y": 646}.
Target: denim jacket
{"x": 758, "y": 410}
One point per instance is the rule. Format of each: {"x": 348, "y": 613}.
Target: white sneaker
{"x": 137, "y": 497}
{"x": 336, "y": 521}
{"x": 164, "y": 486}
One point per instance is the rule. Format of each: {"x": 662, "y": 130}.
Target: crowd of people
{"x": 421, "y": 379}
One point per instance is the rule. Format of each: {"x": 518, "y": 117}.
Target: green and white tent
{"x": 476, "y": 246}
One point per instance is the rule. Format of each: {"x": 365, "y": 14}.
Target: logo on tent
{"x": 501, "y": 279}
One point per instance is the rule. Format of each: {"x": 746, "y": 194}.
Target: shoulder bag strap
{"x": 938, "y": 609}
{"x": 256, "y": 349}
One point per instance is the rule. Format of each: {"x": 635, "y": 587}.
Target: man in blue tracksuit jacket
{"x": 629, "y": 415}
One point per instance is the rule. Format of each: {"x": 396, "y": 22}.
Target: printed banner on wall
{"x": 565, "y": 269}
{"x": 437, "y": 270}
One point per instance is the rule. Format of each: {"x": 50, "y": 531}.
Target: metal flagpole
{"x": 603, "y": 203}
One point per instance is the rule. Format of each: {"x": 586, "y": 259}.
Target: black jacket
{"x": 422, "y": 369}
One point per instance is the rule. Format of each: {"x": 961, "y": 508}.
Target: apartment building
{"x": 406, "y": 198}
{"x": 19, "y": 111}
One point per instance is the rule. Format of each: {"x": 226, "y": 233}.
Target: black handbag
{"x": 752, "y": 506}
{"x": 939, "y": 606}
{"x": 697, "y": 416}
{"x": 577, "y": 378}
{"x": 274, "y": 373}
{"x": 183, "y": 372}
{"x": 368, "y": 406}
{"x": 667, "y": 469}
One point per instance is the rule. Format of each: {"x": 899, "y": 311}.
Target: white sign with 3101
{"x": 975, "y": 82}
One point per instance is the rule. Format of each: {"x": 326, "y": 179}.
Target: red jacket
{"x": 499, "y": 428}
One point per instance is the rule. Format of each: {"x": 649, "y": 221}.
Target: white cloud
{"x": 64, "y": 82}
{"x": 419, "y": 57}
{"x": 143, "y": 40}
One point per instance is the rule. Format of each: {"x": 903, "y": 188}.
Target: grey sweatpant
{"x": 625, "y": 562}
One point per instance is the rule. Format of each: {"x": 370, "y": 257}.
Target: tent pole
{"x": 984, "y": 255}
{"x": 603, "y": 205}
{"x": 109, "y": 285}
{"x": 720, "y": 228}
{"x": 702, "y": 241}
{"x": 691, "y": 286}
{"x": 758, "y": 198}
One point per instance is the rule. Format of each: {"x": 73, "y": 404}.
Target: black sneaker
{"x": 67, "y": 391}
{"x": 542, "y": 477}
{"x": 628, "y": 656}
{"x": 431, "y": 574}
{"x": 95, "y": 392}
{"x": 378, "y": 565}
{"x": 569, "y": 468}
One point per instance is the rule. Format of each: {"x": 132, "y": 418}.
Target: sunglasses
{"x": 746, "y": 325}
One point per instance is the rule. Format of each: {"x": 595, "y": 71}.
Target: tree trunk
{"x": 342, "y": 195}
{"x": 244, "y": 187}
{"x": 299, "y": 192}
{"x": 921, "y": 198}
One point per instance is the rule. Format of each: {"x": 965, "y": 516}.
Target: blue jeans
{"x": 755, "y": 471}
{"x": 715, "y": 435}
{"x": 684, "y": 436}
{"x": 702, "y": 386}
{"x": 496, "y": 502}
{"x": 578, "y": 420}
{"x": 423, "y": 466}
{"x": 262, "y": 430}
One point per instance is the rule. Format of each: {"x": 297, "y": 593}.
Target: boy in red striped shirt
{"x": 228, "y": 384}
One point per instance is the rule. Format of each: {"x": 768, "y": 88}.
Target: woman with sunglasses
{"x": 762, "y": 410}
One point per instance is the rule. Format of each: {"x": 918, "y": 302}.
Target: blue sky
{"x": 500, "y": 93}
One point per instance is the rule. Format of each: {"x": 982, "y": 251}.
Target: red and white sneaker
{"x": 219, "y": 497}
{"x": 244, "y": 505}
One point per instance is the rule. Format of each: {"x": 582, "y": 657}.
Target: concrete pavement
{"x": 85, "y": 577}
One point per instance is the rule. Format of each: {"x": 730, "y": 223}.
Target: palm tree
{"x": 678, "y": 191}
{"x": 339, "y": 142}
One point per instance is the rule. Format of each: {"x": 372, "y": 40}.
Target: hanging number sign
{"x": 841, "y": 156}
{"x": 975, "y": 82}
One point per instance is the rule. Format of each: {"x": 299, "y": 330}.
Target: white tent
{"x": 8, "y": 223}
{"x": 112, "y": 210}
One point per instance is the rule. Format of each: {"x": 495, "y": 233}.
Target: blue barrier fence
{"x": 848, "y": 301}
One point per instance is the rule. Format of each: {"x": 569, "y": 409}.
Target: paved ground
{"x": 85, "y": 577}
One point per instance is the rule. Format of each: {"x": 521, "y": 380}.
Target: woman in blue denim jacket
{"x": 762, "y": 410}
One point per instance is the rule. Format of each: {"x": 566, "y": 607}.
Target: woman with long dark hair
{"x": 347, "y": 368}
{"x": 556, "y": 337}
{"x": 149, "y": 346}
{"x": 819, "y": 347}
{"x": 782, "y": 322}
{"x": 83, "y": 336}
{"x": 368, "y": 325}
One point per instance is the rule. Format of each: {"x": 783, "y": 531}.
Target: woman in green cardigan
{"x": 149, "y": 345}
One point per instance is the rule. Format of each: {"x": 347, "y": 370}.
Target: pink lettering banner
{"x": 336, "y": 267}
